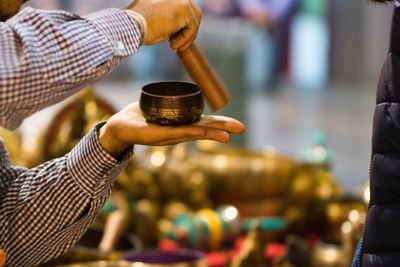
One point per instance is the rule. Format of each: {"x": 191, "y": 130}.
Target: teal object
{"x": 267, "y": 223}
{"x": 108, "y": 207}
{"x": 319, "y": 153}
{"x": 319, "y": 138}
{"x": 273, "y": 224}
{"x": 314, "y": 7}
{"x": 187, "y": 222}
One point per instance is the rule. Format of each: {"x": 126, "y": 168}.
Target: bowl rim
{"x": 171, "y": 96}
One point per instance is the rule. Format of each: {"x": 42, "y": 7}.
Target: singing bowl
{"x": 245, "y": 174}
{"x": 171, "y": 103}
{"x": 158, "y": 258}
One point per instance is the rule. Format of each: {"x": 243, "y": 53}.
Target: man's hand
{"x": 9, "y": 8}
{"x": 129, "y": 127}
{"x": 177, "y": 20}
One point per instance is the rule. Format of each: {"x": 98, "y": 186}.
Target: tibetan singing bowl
{"x": 158, "y": 258}
{"x": 171, "y": 103}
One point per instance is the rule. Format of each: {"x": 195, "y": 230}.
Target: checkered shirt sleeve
{"x": 47, "y": 56}
{"x": 44, "y": 58}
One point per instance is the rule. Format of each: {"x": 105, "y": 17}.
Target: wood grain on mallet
{"x": 205, "y": 77}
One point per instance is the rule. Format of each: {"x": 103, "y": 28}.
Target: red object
{"x": 313, "y": 239}
{"x": 237, "y": 246}
{"x": 217, "y": 259}
{"x": 274, "y": 250}
{"x": 167, "y": 244}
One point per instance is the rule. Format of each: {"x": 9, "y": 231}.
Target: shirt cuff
{"x": 122, "y": 31}
{"x": 141, "y": 21}
{"x": 92, "y": 168}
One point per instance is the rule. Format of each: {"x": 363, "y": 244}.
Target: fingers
{"x": 198, "y": 133}
{"x": 185, "y": 37}
{"x": 196, "y": 10}
{"x": 210, "y": 133}
{"x": 197, "y": 15}
{"x": 216, "y": 128}
{"x": 221, "y": 122}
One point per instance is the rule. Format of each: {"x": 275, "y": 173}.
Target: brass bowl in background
{"x": 171, "y": 103}
{"x": 244, "y": 174}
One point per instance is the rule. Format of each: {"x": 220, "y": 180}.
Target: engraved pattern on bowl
{"x": 173, "y": 116}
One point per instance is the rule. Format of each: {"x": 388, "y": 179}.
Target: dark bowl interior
{"x": 171, "y": 103}
{"x": 169, "y": 89}
{"x": 164, "y": 257}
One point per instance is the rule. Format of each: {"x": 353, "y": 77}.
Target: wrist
{"x": 110, "y": 143}
{"x": 141, "y": 21}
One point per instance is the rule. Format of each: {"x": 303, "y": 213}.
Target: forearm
{"x": 47, "y": 56}
{"x": 48, "y": 208}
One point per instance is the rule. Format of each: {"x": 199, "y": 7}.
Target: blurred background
{"x": 302, "y": 76}
{"x": 294, "y": 68}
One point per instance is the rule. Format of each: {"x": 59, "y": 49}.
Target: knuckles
{"x": 183, "y": 5}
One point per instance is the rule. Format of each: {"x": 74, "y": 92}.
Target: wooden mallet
{"x": 205, "y": 77}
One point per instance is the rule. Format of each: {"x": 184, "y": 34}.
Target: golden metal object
{"x": 327, "y": 217}
{"x": 251, "y": 253}
{"x": 165, "y": 116}
{"x": 327, "y": 187}
{"x": 243, "y": 174}
{"x": 341, "y": 254}
{"x": 72, "y": 122}
{"x": 327, "y": 255}
{"x": 171, "y": 103}
{"x": 13, "y": 143}
{"x": 215, "y": 227}
{"x": 302, "y": 186}
{"x": 348, "y": 244}
{"x": 2, "y": 257}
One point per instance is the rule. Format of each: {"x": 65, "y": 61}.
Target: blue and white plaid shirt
{"x": 44, "y": 58}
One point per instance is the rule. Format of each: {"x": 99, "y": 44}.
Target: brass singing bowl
{"x": 245, "y": 174}
{"x": 171, "y": 103}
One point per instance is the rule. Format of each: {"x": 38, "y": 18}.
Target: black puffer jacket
{"x": 381, "y": 240}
